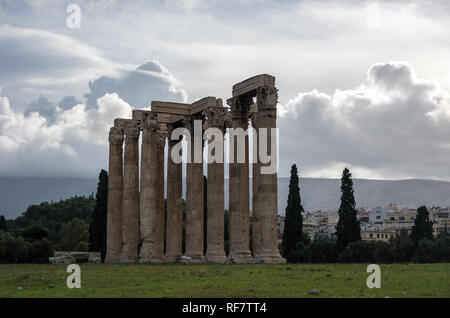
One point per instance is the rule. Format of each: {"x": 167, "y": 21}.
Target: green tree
{"x": 97, "y": 228}
{"x": 74, "y": 236}
{"x": 35, "y": 232}
{"x": 3, "y": 226}
{"x": 347, "y": 229}
{"x": 293, "y": 225}
{"x": 423, "y": 227}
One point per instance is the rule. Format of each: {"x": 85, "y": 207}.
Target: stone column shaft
{"x": 255, "y": 218}
{"x": 130, "y": 206}
{"x": 215, "y": 252}
{"x": 266, "y": 209}
{"x": 239, "y": 202}
{"x": 194, "y": 208}
{"x": 158, "y": 216}
{"x": 174, "y": 208}
{"x": 148, "y": 190}
{"x": 115, "y": 180}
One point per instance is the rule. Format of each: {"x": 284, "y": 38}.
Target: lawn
{"x": 178, "y": 280}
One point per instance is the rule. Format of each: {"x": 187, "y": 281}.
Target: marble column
{"x": 215, "y": 252}
{"x": 115, "y": 179}
{"x": 255, "y": 172}
{"x": 158, "y": 216}
{"x": 130, "y": 205}
{"x": 174, "y": 206}
{"x": 239, "y": 189}
{"x": 147, "y": 188}
{"x": 266, "y": 209}
{"x": 194, "y": 204}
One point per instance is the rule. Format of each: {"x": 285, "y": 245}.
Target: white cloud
{"x": 394, "y": 119}
{"x": 150, "y": 81}
{"x": 75, "y": 144}
{"x": 394, "y": 125}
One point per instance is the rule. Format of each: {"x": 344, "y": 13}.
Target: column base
{"x": 216, "y": 258}
{"x": 196, "y": 259}
{"x": 128, "y": 259}
{"x": 112, "y": 259}
{"x": 145, "y": 254}
{"x": 145, "y": 260}
{"x": 156, "y": 261}
{"x": 172, "y": 258}
{"x": 240, "y": 257}
{"x": 271, "y": 257}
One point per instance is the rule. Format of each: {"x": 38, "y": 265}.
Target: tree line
{"x": 420, "y": 246}
{"x": 74, "y": 224}
{"x": 79, "y": 224}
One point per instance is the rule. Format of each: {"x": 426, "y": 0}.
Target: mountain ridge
{"x": 17, "y": 193}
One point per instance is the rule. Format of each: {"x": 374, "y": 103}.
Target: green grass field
{"x": 178, "y": 280}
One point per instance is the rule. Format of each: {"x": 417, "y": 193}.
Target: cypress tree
{"x": 3, "y": 225}
{"x": 423, "y": 227}
{"x": 348, "y": 229}
{"x": 293, "y": 225}
{"x": 97, "y": 229}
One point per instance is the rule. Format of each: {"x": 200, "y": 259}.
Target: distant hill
{"x": 16, "y": 194}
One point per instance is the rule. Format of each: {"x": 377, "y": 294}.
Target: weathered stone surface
{"x": 266, "y": 203}
{"x": 65, "y": 257}
{"x": 174, "y": 208}
{"x": 239, "y": 191}
{"x": 215, "y": 252}
{"x": 66, "y": 260}
{"x": 158, "y": 215}
{"x": 133, "y": 215}
{"x": 147, "y": 195}
{"x": 130, "y": 199}
{"x": 115, "y": 185}
{"x": 255, "y": 217}
{"x": 194, "y": 208}
{"x": 251, "y": 84}
{"x": 95, "y": 257}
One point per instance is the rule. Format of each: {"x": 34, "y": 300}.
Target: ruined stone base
{"x": 63, "y": 257}
{"x": 240, "y": 257}
{"x": 269, "y": 258}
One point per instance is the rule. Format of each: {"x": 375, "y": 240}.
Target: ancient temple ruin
{"x": 136, "y": 226}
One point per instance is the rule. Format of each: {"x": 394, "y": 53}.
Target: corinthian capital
{"x": 240, "y": 106}
{"x": 267, "y": 98}
{"x": 217, "y": 117}
{"x": 161, "y": 134}
{"x": 150, "y": 124}
{"x": 131, "y": 132}
{"x": 115, "y": 136}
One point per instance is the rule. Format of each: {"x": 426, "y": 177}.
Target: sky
{"x": 362, "y": 84}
